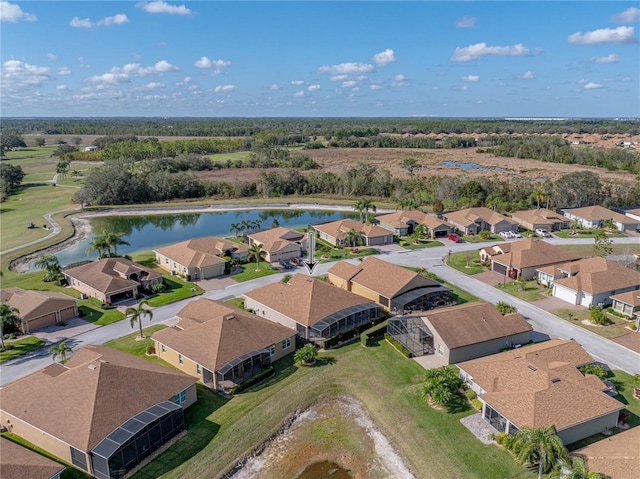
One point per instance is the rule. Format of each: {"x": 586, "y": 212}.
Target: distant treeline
{"x": 308, "y": 127}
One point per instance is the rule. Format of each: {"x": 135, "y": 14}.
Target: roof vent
{"x": 555, "y": 380}
{"x": 533, "y": 368}
{"x": 103, "y": 361}
{"x": 92, "y": 366}
{"x": 229, "y": 316}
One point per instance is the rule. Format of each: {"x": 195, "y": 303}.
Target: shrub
{"x": 471, "y": 394}
{"x": 598, "y": 316}
{"x": 107, "y": 306}
{"x": 373, "y": 334}
{"x": 253, "y": 380}
{"x": 500, "y": 437}
{"x": 405, "y": 352}
{"x": 158, "y": 288}
{"x": 505, "y": 308}
{"x": 594, "y": 369}
{"x": 286, "y": 278}
{"x": 477, "y": 404}
{"x": 338, "y": 338}
{"x": 306, "y": 355}
{"x": 484, "y": 235}
{"x": 507, "y": 442}
{"x": 151, "y": 350}
{"x": 442, "y": 386}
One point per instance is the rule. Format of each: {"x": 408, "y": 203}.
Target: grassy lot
{"x": 91, "y": 311}
{"x": 478, "y": 239}
{"x": 237, "y": 302}
{"x": 613, "y": 330}
{"x": 587, "y": 234}
{"x": 526, "y": 290}
{"x": 128, "y": 343}
{"x": 423, "y": 244}
{"x": 337, "y": 254}
{"x": 587, "y": 249}
{"x": 238, "y": 155}
{"x": 20, "y": 347}
{"x": 28, "y": 204}
{"x": 460, "y": 260}
{"x": 221, "y": 431}
{"x": 249, "y": 271}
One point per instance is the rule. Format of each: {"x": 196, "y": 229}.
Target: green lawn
{"x": 526, "y": 290}
{"x": 460, "y": 261}
{"x": 221, "y": 431}
{"x": 587, "y": 234}
{"x": 249, "y": 271}
{"x": 238, "y": 155}
{"x": 587, "y": 249}
{"x": 478, "y": 239}
{"x": 128, "y": 343}
{"x": 613, "y": 330}
{"x": 237, "y": 302}
{"x": 20, "y": 347}
{"x": 423, "y": 244}
{"x": 337, "y": 254}
{"x": 91, "y": 311}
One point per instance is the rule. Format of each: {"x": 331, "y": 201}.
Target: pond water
{"x": 324, "y": 470}
{"x": 145, "y": 233}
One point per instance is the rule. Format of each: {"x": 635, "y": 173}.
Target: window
{"x": 272, "y": 350}
{"x": 180, "y": 359}
{"x": 175, "y": 265}
{"x": 180, "y": 397}
{"x": 166, "y": 260}
{"x": 440, "y": 349}
{"x": 197, "y": 369}
{"x": 164, "y": 348}
{"x": 286, "y": 344}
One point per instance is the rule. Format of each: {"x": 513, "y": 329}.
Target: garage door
{"x": 499, "y": 268}
{"x": 67, "y": 313}
{"x": 41, "y": 322}
{"x": 564, "y": 294}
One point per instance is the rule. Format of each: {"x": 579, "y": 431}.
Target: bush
{"x": 598, "y": 316}
{"x": 158, "y": 288}
{"x": 484, "y": 235}
{"x": 373, "y": 334}
{"x": 500, "y": 437}
{"x": 507, "y": 442}
{"x": 594, "y": 369}
{"x": 471, "y": 394}
{"x": 253, "y": 380}
{"x": 405, "y": 352}
{"x": 338, "y": 338}
{"x": 306, "y": 355}
{"x": 286, "y": 278}
{"x": 107, "y": 306}
{"x": 477, "y": 404}
{"x": 151, "y": 350}
{"x": 505, "y": 308}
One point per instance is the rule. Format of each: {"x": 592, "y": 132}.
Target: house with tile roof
{"x": 522, "y": 259}
{"x": 18, "y": 462}
{"x": 38, "y": 309}
{"x": 280, "y": 243}
{"x": 220, "y": 345}
{"x": 336, "y": 233}
{"x": 395, "y": 288}
{"x": 472, "y": 221}
{"x": 589, "y": 282}
{"x": 539, "y": 386}
{"x": 540, "y": 218}
{"x": 316, "y": 310}
{"x": 459, "y": 333}
{"x": 103, "y": 411}
{"x": 595, "y": 217}
{"x": 199, "y": 257}
{"x": 111, "y": 280}
{"x": 614, "y": 457}
{"x": 627, "y": 304}
{"x": 404, "y": 222}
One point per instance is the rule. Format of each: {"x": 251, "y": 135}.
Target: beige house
{"x": 393, "y": 287}
{"x": 589, "y": 282}
{"x": 472, "y": 221}
{"x": 403, "y": 223}
{"x": 220, "y": 345}
{"x": 627, "y": 303}
{"x": 522, "y": 259}
{"x": 37, "y": 309}
{"x": 459, "y": 333}
{"x": 314, "y": 309}
{"x": 595, "y": 216}
{"x": 111, "y": 279}
{"x": 280, "y": 243}
{"x": 539, "y": 386}
{"x": 540, "y": 218}
{"x": 336, "y": 233}
{"x": 103, "y": 411}
{"x": 18, "y": 462}
{"x": 200, "y": 257}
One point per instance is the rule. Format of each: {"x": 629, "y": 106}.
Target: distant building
{"x": 596, "y": 216}
{"x": 472, "y": 221}
{"x": 540, "y": 218}
{"x": 336, "y": 233}
{"x": 403, "y": 223}
{"x": 279, "y": 243}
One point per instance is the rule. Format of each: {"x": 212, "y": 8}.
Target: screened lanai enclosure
{"x": 136, "y": 439}
{"x": 412, "y": 333}
{"x": 340, "y": 322}
{"x": 422, "y": 299}
{"x": 241, "y": 369}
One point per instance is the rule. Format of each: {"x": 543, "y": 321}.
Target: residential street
{"x": 617, "y": 356}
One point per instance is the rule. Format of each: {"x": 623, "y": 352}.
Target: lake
{"x": 148, "y": 232}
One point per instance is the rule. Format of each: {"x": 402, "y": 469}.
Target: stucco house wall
{"x": 589, "y": 428}
{"x": 339, "y": 282}
{"x": 473, "y": 351}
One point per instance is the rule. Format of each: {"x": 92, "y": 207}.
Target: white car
{"x": 543, "y": 233}
{"x": 506, "y": 234}
{"x": 515, "y": 234}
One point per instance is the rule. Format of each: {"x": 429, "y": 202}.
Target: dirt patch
{"x": 338, "y": 431}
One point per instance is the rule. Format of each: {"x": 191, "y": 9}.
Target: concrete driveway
{"x": 551, "y": 304}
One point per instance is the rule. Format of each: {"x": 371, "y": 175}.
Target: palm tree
{"x": 8, "y": 316}
{"x": 51, "y": 265}
{"x": 359, "y": 207}
{"x": 255, "y": 224}
{"x": 113, "y": 239}
{"x": 441, "y": 386}
{"x": 538, "y": 195}
{"x": 353, "y": 237}
{"x": 100, "y": 245}
{"x": 256, "y": 253}
{"x": 245, "y": 225}
{"x": 574, "y": 468}
{"x": 60, "y": 350}
{"x": 236, "y": 228}
{"x": 137, "y": 314}
{"x": 574, "y": 224}
{"x": 367, "y": 204}
{"x": 419, "y": 232}
{"x": 325, "y": 250}
{"x": 540, "y": 446}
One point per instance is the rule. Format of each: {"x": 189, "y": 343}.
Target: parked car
{"x": 454, "y": 237}
{"x": 543, "y": 233}
{"x": 507, "y": 234}
{"x": 516, "y": 234}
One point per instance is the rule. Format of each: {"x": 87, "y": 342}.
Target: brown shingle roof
{"x": 531, "y": 252}
{"x": 632, "y": 298}
{"x": 540, "y": 385}
{"x": 541, "y": 215}
{"x": 399, "y": 219}
{"x": 96, "y": 391}
{"x": 306, "y": 300}
{"x": 618, "y": 456}
{"x": 599, "y": 213}
{"x": 199, "y": 252}
{"x": 275, "y": 239}
{"x": 474, "y": 323}
{"x": 27, "y": 302}
{"x": 468, "y": 216}
{"x": 598, "y": 275}
{"x": 344, "y": 270}
{"x": 338, "y": 229}
{"x": 105, "y": 275}
{"x": 18, "y": 462}
{"x": 212, "y": 333}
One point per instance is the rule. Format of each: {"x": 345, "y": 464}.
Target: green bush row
{"x": 253, "y": 380}
{"x": 405, "y": 352}
{"x": 374, "y": 333}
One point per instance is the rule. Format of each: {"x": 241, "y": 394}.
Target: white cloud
{"x": 110, "y": 78}
{"x": 164, "y": 66}
{"x": 604, "y": 35}
{"x": 528, "y": 75}
{"x": 158, "y": 6}
{"x": 64, "y": 71}
{"x": 630, "y": 15}
{"x": 11, "y": 13}
{"x": 339, "y": 77}
{"x": 186, "y": 81}
{"x": 351, "y": 68}
{"x": 205, "y": 62}
{"x": 299, "y": 94}
{"x": 471, "y": 78}
{"x": 479, "y": 50}
{"x": 592, "y": 86}
{"x": 274, "y": 87}
{"x": 627, "y": 79}
{"x": 460, "y": 88}
{"x": 610, "y": 58}
{"x": 61, "y": 87}
{"x": 297, "y": 82}
{"x": 583, "y": 81}
{"x": 82, "y": 63}
{"x": 16, "y": 75}
{"x": 399, "y": 77}
{"x": 348, "y": 84}
{"x": 313, "y": 88}
{"x": 375, "y": 87}
{"x": 52, "y": 57}
{"x": 117, "y": 19}
{"x": 224, "y": 88}
{"x": 466, "y": 22}
{"x": 153, "y": 85}
{"x": 385, "y": 57}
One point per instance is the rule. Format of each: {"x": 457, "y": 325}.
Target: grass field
{"x": 20, "y": 347}
{"x": 249, "y": 271}
{"x": 128, "y": 343}
{"x": 613, "y": 330}
{"x": 587, "y": 234}
{"x": 526, "y": 290}
{"x": 460, "y": 260}
{"x": 478, "y": 239}
{"x": 91, "y": 311}
{"x": 422, "y": 244}
{"x": 587, "y": 249}
{"x": 434, "y": 443}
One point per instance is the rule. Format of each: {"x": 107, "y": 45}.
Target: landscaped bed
{"x": 582, "y": 318}
{"x": 467, "y": 262}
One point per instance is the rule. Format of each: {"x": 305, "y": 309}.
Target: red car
{"x": 454, "y": 237}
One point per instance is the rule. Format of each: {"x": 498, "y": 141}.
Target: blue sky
{"x": 325, "y": 59}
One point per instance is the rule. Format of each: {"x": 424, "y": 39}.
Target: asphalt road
{"x": 543, "y": 322}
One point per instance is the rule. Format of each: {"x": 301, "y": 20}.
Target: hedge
{"x": 373, "y": 334}
{"x": 338, "y": 338}
{"x": 253, "y": 380}
{"x": 405, "y": 352}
